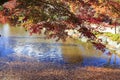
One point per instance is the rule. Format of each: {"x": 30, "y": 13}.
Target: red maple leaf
{"x": 11, "y": 4}
{"x": 3, "y": 19}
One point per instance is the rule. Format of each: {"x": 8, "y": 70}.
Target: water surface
{"x": 15, "y": 41}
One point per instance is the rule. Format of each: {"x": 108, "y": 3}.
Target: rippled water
{"x": 16, "y": 43}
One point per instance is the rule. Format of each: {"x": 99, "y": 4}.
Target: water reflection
{"x": 4, "y": 47}
{"x": 18, "y": 42}
{"x": 54, "y": 52}
{"x": 72, "y": 54}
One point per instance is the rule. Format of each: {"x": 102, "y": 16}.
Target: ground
{"x": 48, "y": 71}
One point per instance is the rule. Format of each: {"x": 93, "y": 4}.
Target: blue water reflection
{"x": 47, "y": 52}
{"x": 4, "y": 47}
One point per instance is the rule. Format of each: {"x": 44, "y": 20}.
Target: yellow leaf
{"x": 101, "y": 1}
{"x": 21, "y": 18}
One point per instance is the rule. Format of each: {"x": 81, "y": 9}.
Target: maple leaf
{"x": 3, "y": 19}
{"x": 99, "y": 46}
{"x": 10, "y": 4}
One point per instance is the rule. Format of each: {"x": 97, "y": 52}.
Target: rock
{"x": 112, "y": 43}
{"x": 70, "y": 32}
{"x": 103, "y": 38}
{"x": 73, "y": 33}
{"x": 117, "y": 52}
{"x": 118, "y": 46}
{"x": 84, "y": 39}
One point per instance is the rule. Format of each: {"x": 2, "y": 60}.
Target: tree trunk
{"x": 114, "y": 60}
{"x": 115, "y": 29}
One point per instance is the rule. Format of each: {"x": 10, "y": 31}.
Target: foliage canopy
{"x": 56, "y": 16}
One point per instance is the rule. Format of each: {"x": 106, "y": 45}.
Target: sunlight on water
{"x": 6, "y": 30}
{"x": 16, "y": 41}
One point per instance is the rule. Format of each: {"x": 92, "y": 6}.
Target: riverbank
{"x": 48, "y": 71}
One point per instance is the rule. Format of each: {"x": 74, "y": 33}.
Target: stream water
{"x": 17, "y": 44}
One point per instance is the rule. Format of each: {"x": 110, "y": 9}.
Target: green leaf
{"x": 1, "y": 8}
